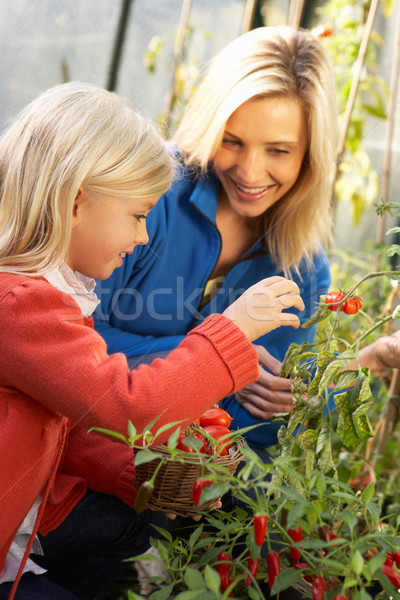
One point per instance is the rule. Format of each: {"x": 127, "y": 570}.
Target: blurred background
{"x": 153, "y": 53}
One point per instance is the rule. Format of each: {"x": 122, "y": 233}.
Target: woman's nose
{"x": 252, "y": 167}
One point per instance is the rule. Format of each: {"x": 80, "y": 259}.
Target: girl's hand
{"x": 270, "y": 394}
{"x": 259, "y": 310}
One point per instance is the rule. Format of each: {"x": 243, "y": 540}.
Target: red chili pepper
{"x": 339, "y": 597}
{"x": 260, "y": 523}
{"x": 198, "y": 487}
{"x": 396, "y": 558}
{"x": 296, "y": 536}
{"x": 389, "y": 562}
{"x": 274, "y": 567}
{"x": 253, "y": 566}
{"x": 393, "y": 577}
{"x": 318, "y": 588}
{"x": 223, "y": 569}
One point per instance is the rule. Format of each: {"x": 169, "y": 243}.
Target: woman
{"x": 257, "y": 145}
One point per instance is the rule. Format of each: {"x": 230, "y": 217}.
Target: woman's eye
{"x": 278, "y": 151}
{"x": 140, "y": 217}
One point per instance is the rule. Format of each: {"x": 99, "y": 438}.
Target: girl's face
{"x": 261, "y": 153}
{"x": 105, "y": 228}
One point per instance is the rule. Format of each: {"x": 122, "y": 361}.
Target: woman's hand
{"x": 270, "y": 394}
{"x": 382, "y": 354}
{"x": 259, "y": 309}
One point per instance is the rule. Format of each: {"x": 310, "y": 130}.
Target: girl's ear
{"x": 77, "y": 203}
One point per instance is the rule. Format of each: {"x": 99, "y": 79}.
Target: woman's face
{"x": 261, "y": 153}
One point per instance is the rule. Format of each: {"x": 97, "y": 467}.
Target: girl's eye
{"x": 230, "y": 142}
{"x": 140, "y": 217}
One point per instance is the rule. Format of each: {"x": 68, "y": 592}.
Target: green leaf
{"x": 253, "y": 594}
{"x": 376, "y": 562}
{"x": 132, "y": 432}
{"x": 109, "y": 432}
{"x": 329, "y": 374}
{"x": 173, "y": 438}
{"x": 320, "y": 484}
{"x": 295, "y": 513}
{"x": 194, "y": 536}
{"x": 357, "y": 562}
{"x": 163, "y": 593}
{"x": 392, "y": 250}
{"x": 193, "y": 579}
{"x": 368, "y": 494}
{"x": 164, "y": 427}
{"x": 285, "y": 579}
{"x": 320, "y": 314}
{"x": 214, "y": 491}
{"x": 212, "y": 579}
{"x": 145, "y": 456}
{"x": 133, "y": 596}
{"x": 350, "y": 520}
{"x": 308, "y": 439}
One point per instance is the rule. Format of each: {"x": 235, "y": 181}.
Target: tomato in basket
{"x": 218, "y": 431}
{"x": 215, "y": 416}
{"x": 184, "y": 434}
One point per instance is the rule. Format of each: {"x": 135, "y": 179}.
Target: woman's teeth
{"x": 252, "y": 190}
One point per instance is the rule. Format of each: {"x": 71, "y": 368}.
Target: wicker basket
{"x": 174, "y": 482}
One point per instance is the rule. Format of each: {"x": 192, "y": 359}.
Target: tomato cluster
{"x": 215, "y": 422}
{"x": 351, "y": 306}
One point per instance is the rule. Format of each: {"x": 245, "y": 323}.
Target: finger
{"x": 268, "y": 404}
{"x": 263, "y": 414}
{"x": 268, "y": 361}
{"x": 291, "y": 301}
{"x": 289, "y": 319}
{"x": 273, "y": 382}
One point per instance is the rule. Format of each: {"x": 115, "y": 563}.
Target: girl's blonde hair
{"x": 71, "y": 136}
{"x": 273, "y": 62}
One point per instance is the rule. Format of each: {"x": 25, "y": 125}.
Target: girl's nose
{"x": 142, "y": 237}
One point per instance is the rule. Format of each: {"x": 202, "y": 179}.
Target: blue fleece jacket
{"x": 151, "y": 302}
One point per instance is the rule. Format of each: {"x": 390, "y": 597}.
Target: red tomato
{"x": 215, "y": 416}
{"x": 218, "y": 431}
{"x": 182, "y": 446}
{"x": 352, "y": 305}
{"x": 332, "y": 299}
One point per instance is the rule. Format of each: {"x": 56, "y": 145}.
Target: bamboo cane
{"x": 295, "y": 12}
{"x": 353, "y": 90}
{"x": 394, "y": 79}
{"x": 248, "y": 17}
{"x": 178, "y": 50}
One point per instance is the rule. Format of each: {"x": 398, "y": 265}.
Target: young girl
{"x": 258, "y": 144}
{"x": 79, "y": 173}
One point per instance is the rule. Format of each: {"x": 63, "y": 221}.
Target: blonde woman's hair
{"x": 73, "y": 135}
{"x": 273, "y": 62}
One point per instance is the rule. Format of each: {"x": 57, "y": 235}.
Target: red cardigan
{"x": 57, "y": 381}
